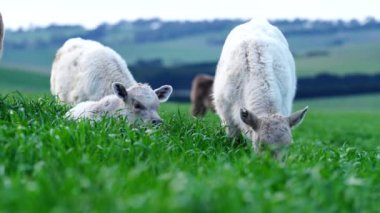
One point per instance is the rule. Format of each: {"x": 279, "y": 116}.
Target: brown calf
{"x": 201, "y": 95}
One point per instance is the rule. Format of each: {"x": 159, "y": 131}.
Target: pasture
{"x": 50, "y": 164}
{"x": 21, "y": 80}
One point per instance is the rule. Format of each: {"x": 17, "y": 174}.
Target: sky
{"x": 90, "y": 13}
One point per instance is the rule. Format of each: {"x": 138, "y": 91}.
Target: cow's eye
{"x": 138, "y": 106}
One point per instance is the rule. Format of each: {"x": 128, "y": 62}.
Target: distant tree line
{"x": 176, "y": 29}
{"x": 322, "y": 85}
{"x": 154, "y": 30}
{"x": 305, "y": 26}
{"x": 325, "y": 84}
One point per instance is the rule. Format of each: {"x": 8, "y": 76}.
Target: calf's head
{"x": 142, "y": 101}
{"x": 273, "y": 130}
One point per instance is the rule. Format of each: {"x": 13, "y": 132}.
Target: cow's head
{"x": 273, "y": 130}
{"x": 142, "y": 102}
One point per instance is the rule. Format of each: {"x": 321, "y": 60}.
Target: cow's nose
{"x": 157, "y": 121}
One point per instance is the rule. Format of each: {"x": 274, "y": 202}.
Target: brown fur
{"x": 201, "y": 95}
{"x": 1, "y": 34}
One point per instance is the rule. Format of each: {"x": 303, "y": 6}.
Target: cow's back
{"x": 84, "y": 70}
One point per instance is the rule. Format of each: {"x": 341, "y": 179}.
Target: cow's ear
{"x": 120, "y": 90}
{"x": 163, "y": 93}
{"x": 296, "y": 118}
{"x": 250, "y": 119}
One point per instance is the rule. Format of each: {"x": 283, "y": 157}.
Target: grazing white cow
{"x": 85, "y": 70}
{"x": 255, "y": 84}
{"x": 1, "y": 35}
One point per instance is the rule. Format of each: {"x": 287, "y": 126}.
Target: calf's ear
{"x": 296, "y": 118}
{"x": 120, "y": 90}
{"x": 163, "y": 93}
{"x": 250, "y": 119}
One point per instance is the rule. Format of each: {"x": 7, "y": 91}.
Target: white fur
{"x": 110, "y": 105}
{"x": 96, "y": 77}
{"x": 256, "y": 71}
{"x": 119, "y": 105}
{"x": 84, "y": 70}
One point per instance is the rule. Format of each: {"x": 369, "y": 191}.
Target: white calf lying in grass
{"x": 138, "y": 102}
{"x": 255, "y": 85}
{"x": 84, "y": 70}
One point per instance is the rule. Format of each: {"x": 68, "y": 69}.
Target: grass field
{"x": 347, "y": 59}
{"x": 50, "y": 164}
{"x": 16, "y": 79}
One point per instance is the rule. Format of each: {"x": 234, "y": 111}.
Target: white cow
{"x": 85, "y": 70}
{"x": 1, "y": 35}
{"x": 255, "y": 84}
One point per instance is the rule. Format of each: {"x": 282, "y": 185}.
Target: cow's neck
{"x": 262, "y": 105}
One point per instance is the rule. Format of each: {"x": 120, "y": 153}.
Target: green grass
{"x": 48, "y": 163}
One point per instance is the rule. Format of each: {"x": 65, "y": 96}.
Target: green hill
{"x": 362, "y": 57}
{"x": 25, "y": 81}
{"x": 333, "y": 47}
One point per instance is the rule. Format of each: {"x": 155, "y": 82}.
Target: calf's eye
{"x": 138, "y": 106}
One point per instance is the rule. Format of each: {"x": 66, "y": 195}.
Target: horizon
{"x": 72, "y": 12}
{"x": 31, "y": 27}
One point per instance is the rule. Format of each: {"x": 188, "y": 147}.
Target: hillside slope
{"x": 335, "y": 47}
